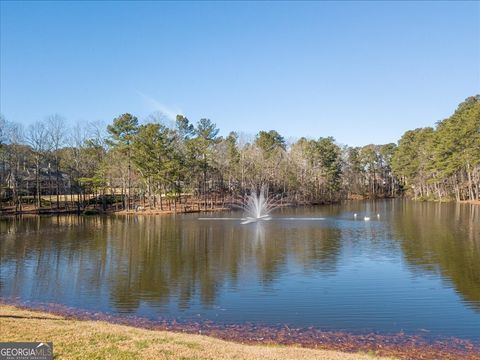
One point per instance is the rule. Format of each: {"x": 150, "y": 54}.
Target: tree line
{"x": 443, "y": 162}
{"x": 151, "y": 164}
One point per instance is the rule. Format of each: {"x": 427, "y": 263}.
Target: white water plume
{"x": 258, "y": 205}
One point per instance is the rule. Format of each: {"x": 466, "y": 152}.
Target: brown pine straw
{"x": 399, "y": 345}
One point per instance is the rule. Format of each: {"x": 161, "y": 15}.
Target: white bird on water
{"x": 378, "y": 216}
{"x": 366, "y": 218}
{"x": 355, "y": 215}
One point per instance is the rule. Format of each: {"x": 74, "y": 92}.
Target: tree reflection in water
{"x": 175, "y": 264}
{"x": 443, "y": 238}
{"x": 152, "y": 258}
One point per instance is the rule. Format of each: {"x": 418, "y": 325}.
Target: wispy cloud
{"x": 168, "y": 111}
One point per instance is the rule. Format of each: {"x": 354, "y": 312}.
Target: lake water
{"x": 415, "y": 269}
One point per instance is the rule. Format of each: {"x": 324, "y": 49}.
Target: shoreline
{"x": 54, "y": 212}
{"x": 168, "y": 212}
{"x": 401, "y": 346}
{"x": 81, "y": 339}
{"x": 4, "y": 213}
{"x": 472, "y": 202}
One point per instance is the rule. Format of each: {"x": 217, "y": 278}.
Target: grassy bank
{"x": 75, "y": 339}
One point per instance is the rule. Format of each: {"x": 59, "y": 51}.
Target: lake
{"x": 414, "y": 269}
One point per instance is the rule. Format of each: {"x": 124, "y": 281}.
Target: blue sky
{"x": 363, "y": 72}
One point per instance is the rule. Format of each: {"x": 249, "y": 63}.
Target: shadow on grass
{"x": 28, "y": 317}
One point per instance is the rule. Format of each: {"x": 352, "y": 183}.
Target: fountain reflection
{"x": 339, "y": 272}
{"x": 151, "y": 259}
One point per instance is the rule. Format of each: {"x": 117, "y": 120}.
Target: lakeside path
{"x": 86, "y": 339}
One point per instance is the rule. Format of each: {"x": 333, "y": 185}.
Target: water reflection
{"x": 339, "y": 273}
{"x": 443, "y": 238}
{"x": 152, "y": 258}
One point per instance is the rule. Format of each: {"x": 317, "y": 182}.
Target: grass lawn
{"x": 76, "y": 339}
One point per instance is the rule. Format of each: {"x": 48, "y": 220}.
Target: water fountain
{"x": 257, "y": 205}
